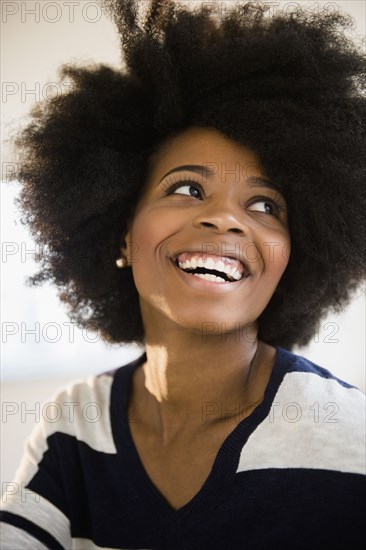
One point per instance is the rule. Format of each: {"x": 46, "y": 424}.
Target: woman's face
{"x": 209, "y": 215}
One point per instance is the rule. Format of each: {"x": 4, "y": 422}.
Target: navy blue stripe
{"x": 29, "y": 527}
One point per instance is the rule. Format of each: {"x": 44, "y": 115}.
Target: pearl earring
{"x": 121, "y": 262}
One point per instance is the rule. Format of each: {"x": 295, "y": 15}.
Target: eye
{"x": 188, "y": 190}
{"x": 267, "y": 206}
{"x": 191, "y": 189}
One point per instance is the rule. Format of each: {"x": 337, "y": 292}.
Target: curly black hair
{"x": 290, "y": 86}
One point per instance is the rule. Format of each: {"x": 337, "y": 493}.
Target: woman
{"x": 220, "y": 181}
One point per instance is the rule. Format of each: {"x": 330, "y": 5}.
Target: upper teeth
{"x": 218, "y": 264}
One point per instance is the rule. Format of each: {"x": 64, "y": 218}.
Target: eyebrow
{"x": 253, "y": 181}
{"x": 202, "y": 170}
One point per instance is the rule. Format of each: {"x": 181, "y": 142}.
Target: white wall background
{"x": 40, "y": 350}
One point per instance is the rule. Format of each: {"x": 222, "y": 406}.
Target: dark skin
{"x": 206, "y": 369}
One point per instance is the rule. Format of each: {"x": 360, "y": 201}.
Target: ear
{"x": 126, "y": 247}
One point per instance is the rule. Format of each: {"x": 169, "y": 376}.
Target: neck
{"x": 189, "y": 383}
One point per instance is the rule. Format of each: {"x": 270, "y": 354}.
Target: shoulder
{"x": 81, "y": 411}
{"x": 317, "y": 392}
{"x": 313, "y": 420}
{"x": 302, "y": 377}
{"x": 95, "y": 399}
{"x": 89, "y": 397}
{"x": 75, "y": 408}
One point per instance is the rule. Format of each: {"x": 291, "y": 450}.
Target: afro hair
{"x": 290, "y": 86}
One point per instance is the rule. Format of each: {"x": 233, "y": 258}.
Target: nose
{"x": 221, "y": 219}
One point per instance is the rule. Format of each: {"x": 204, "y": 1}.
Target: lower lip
{"x": 197, "y": 282}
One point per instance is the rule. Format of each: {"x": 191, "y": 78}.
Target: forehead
{"x": 207, "y": 147}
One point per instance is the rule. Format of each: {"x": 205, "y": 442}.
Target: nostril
{"x": 208, "y": 224}
{"x": 220, "y": 226}
{"x": 232, "y": 229}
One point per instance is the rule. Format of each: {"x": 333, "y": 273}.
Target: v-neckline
{"x": 217, "y": 485}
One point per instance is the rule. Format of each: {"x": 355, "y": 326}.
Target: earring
{"x": 121, "y": 262}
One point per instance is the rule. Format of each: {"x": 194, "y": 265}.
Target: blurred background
{"x": 41, "y": 349}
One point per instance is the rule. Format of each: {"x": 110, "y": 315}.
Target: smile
{"x": 213, "y": 269}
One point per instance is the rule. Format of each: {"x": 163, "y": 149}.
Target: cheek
{"x": 285, "y": 253}
{"x": 144, "y": 237}
{"x": 280, "y": 259}
{"x": 151, "y": 232}
{"x": 276, "y": 253}
{"x": 147, "y": 241}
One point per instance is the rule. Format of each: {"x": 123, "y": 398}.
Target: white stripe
{"x": 31, "y": 506}
{"x": 314, "y": 422}
{"x": 13, "y": 538}
{"x": 74, "y": 409}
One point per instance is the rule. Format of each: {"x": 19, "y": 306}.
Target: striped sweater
{"x": 290, "y": 475}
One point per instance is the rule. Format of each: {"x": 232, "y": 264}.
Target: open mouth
{"x": 216, "y": 269}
